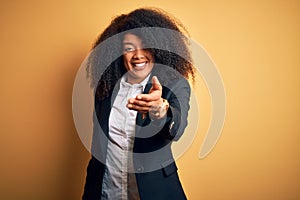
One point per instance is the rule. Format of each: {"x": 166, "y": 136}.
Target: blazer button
{"x": 171, "y": 125}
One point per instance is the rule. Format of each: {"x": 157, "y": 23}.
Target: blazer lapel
{"x": 105, "y": 109}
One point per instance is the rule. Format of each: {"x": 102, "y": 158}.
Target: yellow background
{"x": 255, "y": 45}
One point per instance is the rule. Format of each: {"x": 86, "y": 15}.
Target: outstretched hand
{"x": 143, "y": 102}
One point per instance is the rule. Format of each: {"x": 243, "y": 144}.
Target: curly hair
{"x": 105, "y": 65}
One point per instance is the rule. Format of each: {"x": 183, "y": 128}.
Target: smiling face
{"x": 138, "y": 61}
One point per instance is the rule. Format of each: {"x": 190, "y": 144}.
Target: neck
{"x": 133, "y": 81}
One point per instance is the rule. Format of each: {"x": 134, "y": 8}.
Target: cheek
{"x": 150, "y": 58}
{"x": 126, "y": 60}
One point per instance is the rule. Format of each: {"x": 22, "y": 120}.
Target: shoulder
{"x": 169, "y": 77}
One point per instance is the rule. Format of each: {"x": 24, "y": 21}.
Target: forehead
{"x": 130, "y": 38}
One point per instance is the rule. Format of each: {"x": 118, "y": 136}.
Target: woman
{"x": 141, "y": 105}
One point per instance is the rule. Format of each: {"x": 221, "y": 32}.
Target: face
{"x": 138, "y": 61}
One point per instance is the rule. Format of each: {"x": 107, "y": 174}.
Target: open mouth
{"x": 139, "y": 65}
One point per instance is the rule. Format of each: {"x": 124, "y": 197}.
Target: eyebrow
{"x": 128, "y": 43}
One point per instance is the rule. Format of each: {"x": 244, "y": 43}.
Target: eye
{"x": 128, "y": 48}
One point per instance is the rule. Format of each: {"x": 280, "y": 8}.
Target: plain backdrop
{"x": 255, "y": 45}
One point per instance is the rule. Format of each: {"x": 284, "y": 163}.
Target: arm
{"x": 174, "y": 119}
{"x": 178, "y": 98}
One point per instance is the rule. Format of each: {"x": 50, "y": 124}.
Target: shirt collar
{"x": 142, "y": 84}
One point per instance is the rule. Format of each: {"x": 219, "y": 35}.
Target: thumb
{"x": 156, "y": 84}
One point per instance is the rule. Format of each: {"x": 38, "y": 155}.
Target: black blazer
{"x": 155, "y": 168}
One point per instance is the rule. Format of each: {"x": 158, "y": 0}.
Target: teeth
{"x": 140, "y": 64}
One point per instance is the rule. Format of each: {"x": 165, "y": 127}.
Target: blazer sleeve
{"x": 178, "y": 96}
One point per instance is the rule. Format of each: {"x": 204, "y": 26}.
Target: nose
{"x": 138, "y": 54}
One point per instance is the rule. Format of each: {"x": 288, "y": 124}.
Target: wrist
{"x": 160, "y": 111}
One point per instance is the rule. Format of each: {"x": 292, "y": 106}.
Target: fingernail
{"x": 139, "y": 97}
{"x": 156, "y": 79}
